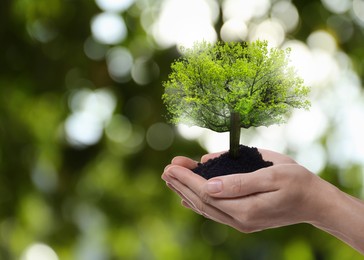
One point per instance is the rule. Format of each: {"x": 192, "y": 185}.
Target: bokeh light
{"x": 92, "y": 222}
{"x": 94, "y": 50}
{"x": 114, "y": 5}
{"x": 91, "y": 109}
{"x": 83, "y": 129}
{"x": 144, "y": 71}
{"x": 44, "y": 176}
{"x": 160, "y": 136}
{"x": 39, "y": 251}
{"x": 41, "y": 31}
{"x": 245, "y": 9}
{"x": 119, "y": 63}
{"x": 119, "y": 129}
{"x": 286, "y": 13}
{"x": 84, "y": 136}
{"x": 358, "y": 11}
{"x": 108, "y": 28}
{"x": 269, "y": 30}
{"x": 337, "y": 6}
{"x": 189, "y": 132}
{"x": 343, "y": 27}
{"x": 234, "y": 30}
{"x": 322, "y": 40}
{"x": 185, "y": 22}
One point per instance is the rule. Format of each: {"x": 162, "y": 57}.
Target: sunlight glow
{"x": 245, "y": 9}
{"x": 269, "y": 138}
{"x": 190, "y": 132}
{"x": 324, "y": 68}
{"x": 184, "y": 22}
{"x": 346, "y": 142}
{"x": 312, "y": 156}
{"x": 305, "y": 127}
{"x": 316, "y": 67}
{"x": 214, "y": 142}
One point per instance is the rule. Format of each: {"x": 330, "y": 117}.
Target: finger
{"x": 228, "y": 211}
{"x": 239, "y": 185}
{"x": 186, "y": 177}
{"x": 209, "y": 156}
{"x": 167, "y": 175}
{"x": 175, "y": 175}
{"x": 191, "y": 201}
{"x": 183, "y": 197}
{"x": 180, "y": 161}
{"x": 187, "y": 205}
{"x": 184, "y": 161}
{"x": 188, "y": 185}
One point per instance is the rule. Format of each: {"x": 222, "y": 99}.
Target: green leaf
{"x": 211, "y": 80}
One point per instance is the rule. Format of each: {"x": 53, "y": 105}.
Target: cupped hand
{"x": 283, "y": 194}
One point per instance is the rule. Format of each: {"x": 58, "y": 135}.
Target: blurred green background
{"x": 84, "y": 137}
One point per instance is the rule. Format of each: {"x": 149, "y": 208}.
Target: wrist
{"x": 340, "y": 215}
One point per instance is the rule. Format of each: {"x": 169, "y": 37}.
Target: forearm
{"x": 343, "y": 217}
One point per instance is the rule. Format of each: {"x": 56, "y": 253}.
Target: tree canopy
{"x": 212, "y": 81}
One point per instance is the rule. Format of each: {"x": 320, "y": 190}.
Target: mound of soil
{"x": 249, "y": 160}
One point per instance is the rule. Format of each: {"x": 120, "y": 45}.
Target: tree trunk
{"x": 234, "y": 134}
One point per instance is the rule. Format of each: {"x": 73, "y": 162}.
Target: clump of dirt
{"x": 249, "y": 160}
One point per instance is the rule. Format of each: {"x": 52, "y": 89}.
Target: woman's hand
{"x": 283, "y": 194}
{"x": 271, "y": 197}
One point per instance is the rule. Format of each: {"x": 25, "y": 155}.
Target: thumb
{"x": 239, "y": 185}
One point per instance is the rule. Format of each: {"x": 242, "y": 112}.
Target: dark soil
{"x": 249, "y": 160}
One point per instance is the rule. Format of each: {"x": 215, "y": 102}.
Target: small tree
{"x": 229, "y": 86}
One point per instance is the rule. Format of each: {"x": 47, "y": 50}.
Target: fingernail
{"x": 214, "y": 186}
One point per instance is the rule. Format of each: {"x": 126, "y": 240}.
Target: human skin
{"x": 283, "y": 194}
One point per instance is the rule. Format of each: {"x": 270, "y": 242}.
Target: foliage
{"x": 210, "y": 82}
{"x": 226, "y": 86}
